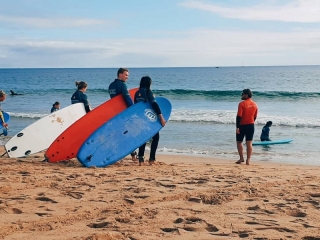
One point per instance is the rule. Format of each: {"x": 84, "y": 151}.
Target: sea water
{"x": 204, "y": 101}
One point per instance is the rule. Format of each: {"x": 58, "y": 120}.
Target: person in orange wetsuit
{"x": 246, "y": 116}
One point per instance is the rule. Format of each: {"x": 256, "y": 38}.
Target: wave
{"x": 27, "y": 115}
{"x": 214, "y": 116}
{"x": 189, "y": 93}
{"x": 229, "y": 117}
{"x": 218, "y": 94}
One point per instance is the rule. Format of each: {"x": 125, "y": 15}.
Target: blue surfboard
{"x": 281, "y": 141}
{"x": 122, "y": 134}
{"x": 6, "y": 118}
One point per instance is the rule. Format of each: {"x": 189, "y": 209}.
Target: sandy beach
{"x": 184, "y": 197}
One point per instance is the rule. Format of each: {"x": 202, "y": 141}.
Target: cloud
{"x": 199, "y": 47}
{"x": 45, "y": 23}
{"x": 304, "y": 11}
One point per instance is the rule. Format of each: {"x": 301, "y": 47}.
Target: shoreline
{"x": 183, "y": 198}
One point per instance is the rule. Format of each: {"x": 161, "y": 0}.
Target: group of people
{"x": 119, "y": 87}
{"x": 246, "y": 115}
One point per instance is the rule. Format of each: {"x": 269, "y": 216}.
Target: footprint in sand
{"x": 45, "y": 199}
{"x": 296, "y": 213}
{"x": 10, "y": 211}
{"x": 192, "y": 220}
{"x": 98, "y": 225}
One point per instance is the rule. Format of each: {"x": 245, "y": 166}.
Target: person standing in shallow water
{"x": 246, "y": 116}
{"x": 80, "y": 97}
{"x": 145, "y": 94}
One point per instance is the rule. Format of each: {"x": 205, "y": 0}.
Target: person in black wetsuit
{"x": 80, "y": 97}
{"x": 119, "y": 86}
{"x": 55, "y": 107}
{"x": 265, "y": 132}
{"x": 145, "y": 94}
{"x": 14, "y": 93}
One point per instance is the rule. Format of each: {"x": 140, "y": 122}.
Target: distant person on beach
{"x": 14, "y": 93}
{"x": 246, "y": 116}
{"x": 145, "y": 94}
{"x": 55, "y": 107}
{"x": 119, "y": 86}
{"x": 3, "y": 97}
{"x": 80, "y": 97}
{"x": 265, "y": 132}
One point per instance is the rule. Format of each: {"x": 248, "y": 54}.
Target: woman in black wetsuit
{"x": 145, "y": 94}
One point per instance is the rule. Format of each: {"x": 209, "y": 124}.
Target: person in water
{"x": 145, "y": 94}
{"x": 14, "y": 93}
{"x": 55, "y": 107}
{"x": 265, "y": 132}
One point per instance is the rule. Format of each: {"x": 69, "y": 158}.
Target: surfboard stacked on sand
{"x": 63, "y": 133}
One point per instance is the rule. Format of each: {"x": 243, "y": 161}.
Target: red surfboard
{"x": 67, "y": 144}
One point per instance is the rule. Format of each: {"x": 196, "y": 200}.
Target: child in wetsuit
{"x": 265, "y": 132}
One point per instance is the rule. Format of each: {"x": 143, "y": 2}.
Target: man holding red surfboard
{"x": 119, "y": 86}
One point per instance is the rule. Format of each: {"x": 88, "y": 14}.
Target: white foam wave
{"x": 27, "y": 115}
{"x": 229, "y": 117}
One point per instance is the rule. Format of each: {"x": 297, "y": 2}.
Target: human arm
{"x": 126, "y": 95}
{"x": 156, "y": 108}
{"x": 238, "y": 118}
{"x": 3, "y": 123}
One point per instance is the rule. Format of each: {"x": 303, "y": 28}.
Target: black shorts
{"x": 245, "y": 130}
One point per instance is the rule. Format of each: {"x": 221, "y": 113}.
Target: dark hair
{"x": 81, "y": 85}
{"x": 145, "y": 82}
{"x": 269, "y": 123}
{"x": 56, "y": 103}
{"x": 248, "y": 92}
{"x": 122, "y": 70}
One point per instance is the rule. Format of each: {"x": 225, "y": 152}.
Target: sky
{"x": 158, "y": 33}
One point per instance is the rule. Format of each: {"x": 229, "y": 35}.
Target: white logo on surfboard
{"x": 151, "y": 115}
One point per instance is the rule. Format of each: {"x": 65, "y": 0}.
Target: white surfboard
{"x": 39, "y": 135}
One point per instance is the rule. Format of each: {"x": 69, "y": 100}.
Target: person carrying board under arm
{"x": 246, "y": 116}
{"x": 145, "y": 94}
{"x": 119, "y": 86}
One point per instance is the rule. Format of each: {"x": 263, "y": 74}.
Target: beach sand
{"x": 184, "y": 197}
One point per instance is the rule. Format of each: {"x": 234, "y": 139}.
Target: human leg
{"x": 249, "y": 151}
{"x": 240, "y": 151}
{"x": 141, "y": 153}
{"x": 249, "y": 138}
{"x": 154, "y": 146}
{"x": 239, "y": 138}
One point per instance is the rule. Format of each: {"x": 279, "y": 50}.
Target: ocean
{"x": 204, "y": 101}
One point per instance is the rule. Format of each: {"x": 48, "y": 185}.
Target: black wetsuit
{"x": 119, "y": 87}
{"x": 80, "y": 97}
{"x": 147, "y": 96}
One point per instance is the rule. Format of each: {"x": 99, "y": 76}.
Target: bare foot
{"x": 248, "y": 162}
{"x": 239, "y": 161}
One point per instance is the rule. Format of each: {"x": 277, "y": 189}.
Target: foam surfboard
{"x": 39, "y": 135}
{"x": 123, "y": 134}
{"x": 67, "y": 144}
{"x": 280, "y": 141}
{"x": 6, "y": 118}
